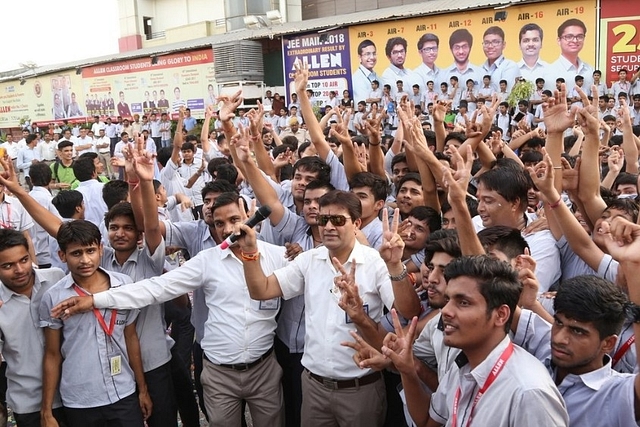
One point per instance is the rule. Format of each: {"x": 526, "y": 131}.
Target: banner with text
{"x": 140, "y": 87}
{"x": 542, "y": 40}
{"x": 620, "y": 32}
{"x": 328, "y": 57}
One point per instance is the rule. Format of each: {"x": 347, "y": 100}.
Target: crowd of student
{"x": 413, "y": 275}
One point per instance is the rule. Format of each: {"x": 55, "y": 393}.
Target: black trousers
{"x": 32, "y": 419}
{"x": 124, "y": 413}
{"x": 160, "y": 386}
{"x": 291, "y": 382}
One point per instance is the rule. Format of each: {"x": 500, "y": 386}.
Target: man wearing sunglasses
{"x": 334, "y": 389}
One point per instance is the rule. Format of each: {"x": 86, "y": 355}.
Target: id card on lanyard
{"x": 115, "y": 358}
{"x": 495, "y": 371}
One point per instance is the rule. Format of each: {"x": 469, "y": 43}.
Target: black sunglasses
{"x": 337, "y": 220}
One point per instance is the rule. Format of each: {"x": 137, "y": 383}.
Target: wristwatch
{"x": 400, "y": 276}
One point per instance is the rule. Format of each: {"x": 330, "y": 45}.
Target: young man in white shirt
{"x": 492, "y": 382}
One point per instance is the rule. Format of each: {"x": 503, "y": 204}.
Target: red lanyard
{"x": 96, "y": 312}
{"x": 8, "y": 223}
{"x": 623, "y": 349}
{"x": 495, "y": 371}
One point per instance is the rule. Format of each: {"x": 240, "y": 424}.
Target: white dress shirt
{"x": 311, "y": 274}
{"x": 238, "y": 329}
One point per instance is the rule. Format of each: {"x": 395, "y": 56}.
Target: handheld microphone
{"x": 261, "y": 214}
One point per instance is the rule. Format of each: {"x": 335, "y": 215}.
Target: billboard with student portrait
{"x": 542, "y": 40}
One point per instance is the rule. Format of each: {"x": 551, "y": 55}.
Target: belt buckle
{"x": 242, "y": 367}
{"x": 329, "y": 383}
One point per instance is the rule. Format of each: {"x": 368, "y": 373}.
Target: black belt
{"x": 244, "y": 366}
{"x": 341, "y": 384}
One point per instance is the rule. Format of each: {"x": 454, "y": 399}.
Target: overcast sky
{"x": 51, "y": 32}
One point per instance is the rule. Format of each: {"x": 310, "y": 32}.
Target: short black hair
{"x": 67, "y": 201}
{"x": 83, "y": 169}
{"x": 505, "y": 239}
{"x": 114, "y": 192}
{"x": 64, "y": 144}
{"x": 314, "y": 165}
{"x": 213, "y": 164}
{"x": 593, "y": 299}
{"x": 40, "y": 174}
{"x": 445, "y": 241}
{"x": 429, "y": 215}
{"x": 118, "y": 210}
{"x": 163, "y": 155}
{"x": 510, "y": 183}
{"x": 497, "y": 282}
{"x": 79, "y": 231}
{"x": 10, "y": 238}
{"x": 378, "y": 186}
{"x": 218, "y": 186}
{"x": 228, "y": 198}
{"x": 344, "y": 199}
{"x": 228, "y": 172}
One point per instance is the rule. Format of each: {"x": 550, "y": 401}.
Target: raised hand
{"x": 590, "y": 124}
{"x": 542, "y": 176}
{"x": 229, "y": 106}
{"x": 241, "y": 143}
{"x": 400, "y": 349}
{"x": 473, "y": 129}
{"x": 9, "y": 178}
{"x": 256, "y": 120}
{"x": 301, "y": 77}
{"x": 365, "y": 356}
{"x": 624, "y": 241}
{"x": 143, "y": 163}
{"x": 590, "y": 106}
{"x": 210, "y": 112}
{"x": 557, "y": 118}
{"x": 247, "y": 236}
{"x": 392, "y": 244}
{"x": 570, "y": 176}
{"x": 525, "y": 266}
{"x": 615, "y": 161}
{"x": 458, "y": 182}
{"x": 440, "y": 110}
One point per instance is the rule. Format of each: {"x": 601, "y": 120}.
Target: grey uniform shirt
{"x": 600, "y": 398}
{"x": 523, "y": 393}
{"x": 86, "y": 380}
{"x": 155, "y": 344}
{"x": 573, "y": 265}
{"x": 22, "y": 342}
{"x": 373, "y": 233}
